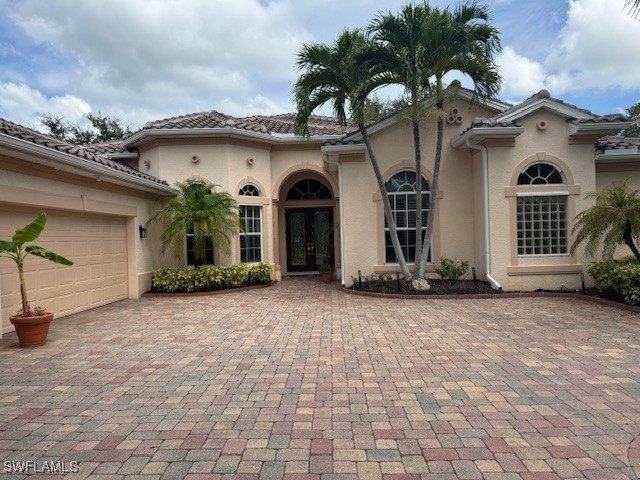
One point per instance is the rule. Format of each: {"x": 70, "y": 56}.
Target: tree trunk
{"x": 418, "y": 160}
{"x": 628, "y": 239}
{"x": 23, "y": 289}
{"x": 387, "y": 206}
{"x": 433, "y": 188}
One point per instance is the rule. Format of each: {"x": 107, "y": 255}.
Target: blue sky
{"x": 150, "y": 59}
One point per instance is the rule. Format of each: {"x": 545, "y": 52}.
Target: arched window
{"x": 540, "y": 174}
{"x": 401, "y": 189}
{"x": 541, "y": 216}
{"x": 249, "y": 190}
{"x": 309, "y": 189}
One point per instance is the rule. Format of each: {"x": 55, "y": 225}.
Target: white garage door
{"x": 96, "y": 244}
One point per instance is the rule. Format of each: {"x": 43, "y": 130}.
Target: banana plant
{"x": 17, "y": 250}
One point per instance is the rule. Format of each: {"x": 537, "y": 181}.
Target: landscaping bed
{"x": 438, "y": 287}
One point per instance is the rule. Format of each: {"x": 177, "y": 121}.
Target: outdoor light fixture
{"x": 143, "y": 232}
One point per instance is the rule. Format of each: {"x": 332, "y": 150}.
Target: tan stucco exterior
{"x": 230, "y": 161}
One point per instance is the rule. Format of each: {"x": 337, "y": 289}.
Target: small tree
{"x": 197, "y": 208}
{"x": 103, "y": 129}
{"x": 613, "y": 221}
{"x": 16, "y": 250}
{"x": 633, "y": 131}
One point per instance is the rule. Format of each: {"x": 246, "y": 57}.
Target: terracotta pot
{"x": 327, "y": 277}
{"x": 32, "y": 331}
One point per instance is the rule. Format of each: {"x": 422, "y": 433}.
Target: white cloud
{"x": 521, "y": 76}
{"x": 26, "y": 105}
{"x": 595, "y": 50}
{"x": 163, "y": 57}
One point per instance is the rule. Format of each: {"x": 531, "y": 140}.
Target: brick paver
{"x": 304, "y": 382}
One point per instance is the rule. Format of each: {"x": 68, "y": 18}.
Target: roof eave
{"x": 560, "y": 108}
{"x": 618, "y": 156}
{"x": 138, "y": 137}
{"x": 349, "y": 148}
{"x": 89, "y": 168}
{"x": 479, "y": 134}
{"x": 601, "y": 128}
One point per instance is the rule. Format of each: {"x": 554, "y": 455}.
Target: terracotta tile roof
{"x": 618, "y": 143}
{"x": 613, "y": 117}
{"x": 101, "y": 148}
{"x": 267, "y": 124}
{"x": 23, "y": 133}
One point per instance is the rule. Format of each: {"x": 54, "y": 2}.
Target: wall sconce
{"x": 143, "y": 232}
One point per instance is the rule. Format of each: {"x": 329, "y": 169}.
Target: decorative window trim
{"x": 548, "y": 263}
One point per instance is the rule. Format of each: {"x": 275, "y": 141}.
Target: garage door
{"x": 96, "y": 244}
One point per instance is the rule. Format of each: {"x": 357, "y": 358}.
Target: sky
{"x": 145, "y": 60}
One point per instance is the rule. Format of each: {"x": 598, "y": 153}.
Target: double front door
{"x": 309, "y": 238}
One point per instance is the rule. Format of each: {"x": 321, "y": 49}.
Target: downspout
{"x": 485, "y": 201}
{"x": 327, "y": 159}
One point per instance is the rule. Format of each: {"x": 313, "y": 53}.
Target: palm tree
{"x": 634, "y": 6}
{"x": 416, "y": 49}
{"x": 329, "y": 74}
{"x": 613, "y": 221}
{"x": 198, "y": 209}
{"x": 397, "y": 54}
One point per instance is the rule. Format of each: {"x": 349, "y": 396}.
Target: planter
{"x": 327, "y": 277}
{"x": 32, "y": 331}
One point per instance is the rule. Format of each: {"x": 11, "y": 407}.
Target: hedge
{"x": 207, "y": 278}
{"x": 620, "y": 278}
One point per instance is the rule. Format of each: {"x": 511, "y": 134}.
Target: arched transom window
{"x": 401, "y": 189}
{"x": 249, "y": 190}
{"x": 541, "y": 216}
{"x": 309, "y": 189}
{"x": 540, "y": 174}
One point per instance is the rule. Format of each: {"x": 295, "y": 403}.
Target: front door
{"x": 309, "y": 238}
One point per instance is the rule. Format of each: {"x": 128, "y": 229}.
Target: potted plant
{"x": 32, "y": 324}
{"x": 326, "y": 270}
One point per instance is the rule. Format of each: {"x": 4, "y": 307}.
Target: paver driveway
{"x": 302, "y": 381}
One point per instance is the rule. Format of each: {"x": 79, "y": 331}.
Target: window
{"x": 249, "y": 190}
{"x": 251, "y": 235}
{"x": 540, "y": 174}
{"x": 541, "y": 218}
{"x": 402, "y": 196}
{"x": 309, "y": 189}
{"x": 208, "y": 249}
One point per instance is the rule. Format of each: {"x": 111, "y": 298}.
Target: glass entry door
{"x": 309, "y": 238}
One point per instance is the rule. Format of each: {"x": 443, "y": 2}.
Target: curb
{"x": 150, "y": 294}
{"x": 497, "y": 296}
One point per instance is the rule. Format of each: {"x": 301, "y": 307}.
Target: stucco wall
{"x": 44, "y": 189}
{"x": 456, "y": 227}
{"x": 503, "y": 163}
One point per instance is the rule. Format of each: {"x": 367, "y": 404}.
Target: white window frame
{"x": 407, "y": 228}
{"x": 246, "y": 234}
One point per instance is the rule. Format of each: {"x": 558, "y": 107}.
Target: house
{"x": 513, "y": 178}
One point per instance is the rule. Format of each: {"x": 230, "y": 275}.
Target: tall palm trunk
{"x": 628, "y": 239}
{"x": 386, "y": 204}
{"x": 418, "y": 159}
{"x": 434, "y": 184}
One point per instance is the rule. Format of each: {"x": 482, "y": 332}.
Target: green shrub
{"x": 261, "y": 273}
{"x": 208, "y": 278}
{"x": 451, "y": 269}
{"x": 618, "y": 277}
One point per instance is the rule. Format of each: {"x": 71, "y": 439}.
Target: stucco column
{"x": 275, "y": 207}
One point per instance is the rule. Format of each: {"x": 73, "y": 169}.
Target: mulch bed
{"x": 465, "y": 289}
{"x": 438, "y": 287}
{"x": 151, "y": 293}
